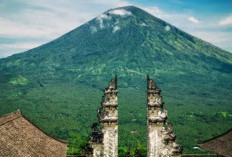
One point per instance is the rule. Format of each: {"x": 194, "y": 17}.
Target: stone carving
{"x": 160, "y": 116}
{"x": 95, "y": 147}
{"x": 96, "y": 134}
{"x": 104, "y": 141}
{"x": 161, "y": 139}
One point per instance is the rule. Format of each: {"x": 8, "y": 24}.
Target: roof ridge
{"x": 17, "y": 114}
{"x": 62, "y": 141}
{"x": 218, "y": 136}
{"x": 10, "y": 117}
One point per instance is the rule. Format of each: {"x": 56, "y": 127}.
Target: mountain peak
{"x": 129, "y": 7}
{"x": 129, "y": 42}
{"x": 133, "y": 10}
{"x": 120, "y": 11}
{"x": 120, "y": 18}
{"x": 113, "y": 19}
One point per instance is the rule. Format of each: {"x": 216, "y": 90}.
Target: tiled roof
{"x": 221, "y": 144}
{"x": 21, "y": 138}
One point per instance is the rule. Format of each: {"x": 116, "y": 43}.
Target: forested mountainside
{"x": 58, "y": 85}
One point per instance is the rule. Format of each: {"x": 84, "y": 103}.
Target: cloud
{"x": 226, "y": 21}
{"x": 40, "y": 23}
{"x": 100, "y": 19}
{"x": 16, "y": 47}
{"x": 219, "y": 38}
{"x": 155, "y": 11}
{"x": 37, "y": 22}
{"x": 116, "y": 28}
{"x": 193, "y": 19}
{"x": 45, "y": 20}
{"x": 176, "y": 19}
{"x": 120, "y": 12}
{"x": 20, "y": 45}
{"x": 206, "y": 30}
{"x": 167, "y": 28}
{"x": 93, "y": 29}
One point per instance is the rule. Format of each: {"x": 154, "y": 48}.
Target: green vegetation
{"x": 18, "y": 80}
{"x": 59, "y": 85}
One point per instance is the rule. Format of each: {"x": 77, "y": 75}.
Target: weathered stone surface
{"x": 98, "y": 150}
{"x": 160, "y": 136}
{"x": 108, "y": 118}
{"x": 161, "y": 139}
{"x": 110, "y": 140}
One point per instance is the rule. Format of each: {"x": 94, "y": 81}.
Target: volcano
{"x": 58, "y": 85}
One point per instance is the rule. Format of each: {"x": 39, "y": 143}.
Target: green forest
{"x": 58, "y": 86}
{"x": 70, "y": 116}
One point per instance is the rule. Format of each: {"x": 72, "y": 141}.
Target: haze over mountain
{"x": 58, "y": 85}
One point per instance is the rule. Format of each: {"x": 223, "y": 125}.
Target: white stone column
{"x": 155, "y": 141}
{"x": 108, "y": 117}
{"x": 160, "y": 136}
{"x": 110, "y": 140}
{"x": 98, "y": 150}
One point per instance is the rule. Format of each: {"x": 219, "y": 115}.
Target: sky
{"x": 25, "y": 24}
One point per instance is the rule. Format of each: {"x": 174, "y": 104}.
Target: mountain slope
{"x": 58, "y": 85}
